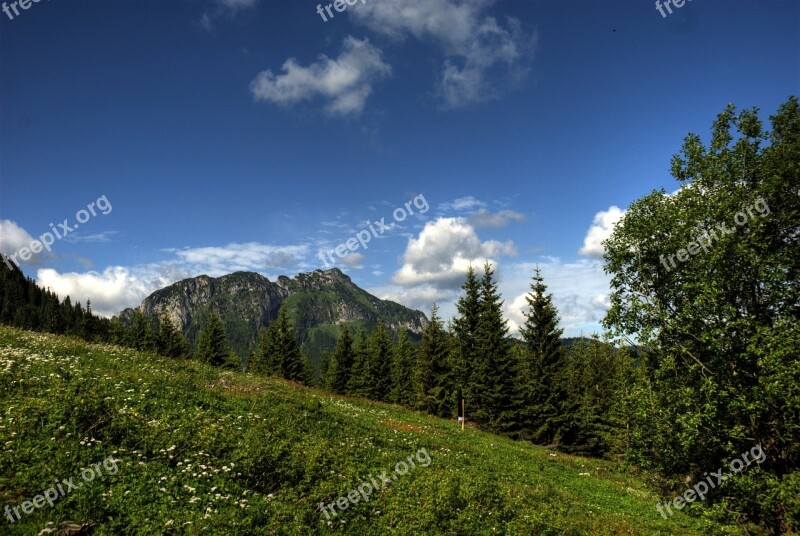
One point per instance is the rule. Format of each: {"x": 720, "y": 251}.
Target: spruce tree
{"x": 402, "y": 370}
{"x": 543, "y": 360}
{"x": 432, "y": 378}
{"x": 341, "y": 363}
{"x": 496, "y": 404}
{"x": 380, "y": 360}
{"x": 360, "y": 373}
{"x": 140, "y": 336}
{"x": 289, "y": 358}
{"x": 465, "y": 328}
{"x": 212, "y": 344}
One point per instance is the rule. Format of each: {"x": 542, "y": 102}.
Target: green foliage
{"x": 542, "y": 366}
{"x": 170, "y": 342}
{"x": 402, "y": 371}
{"x": 341, "y": 364}
{"x": 493, "y": 384}
{"x": 432, "y": 377}
{"x": 721, "y": 327}
{"x": 212, "y": 346}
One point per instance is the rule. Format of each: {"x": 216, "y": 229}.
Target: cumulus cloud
{"x": 480, "y": 53}
{"x": 344, "y": 83}
{"x": 113, "y": 289}
{"x": 444, "y": 250}
{"x": 600, "y": 230}
{"x": 483, "y": 219}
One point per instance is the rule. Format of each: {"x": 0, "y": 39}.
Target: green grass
{"x": 207, "y": 451}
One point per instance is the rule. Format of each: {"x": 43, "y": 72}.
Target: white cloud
{"x": 483, "y": 219}
{"x": 601, "y": 229}
{"x": 252, "y": 256}
{"x": 444, "y": 250}
{"x": 462, "y": 204}
{"x": 480, "y": 52}
{"x": 114, "y": 289}
{"x": 13, "y": 238}
{"x": 344, "y": 83}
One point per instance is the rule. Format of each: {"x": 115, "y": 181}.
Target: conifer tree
{"x": 170, "y": 341}
{"x": 432, "y": 378}
{"x": 212, "y": 344}
{"x": 402, "y": 371}
{"x": 289, "y": 358}
{"x": 140, "y": 336}
{"x": 267, "y": 360}
{"x": 380, "y": 361}
{"x": 493, "y": 383}
{"x": 341, "y": 363}
{"x": 543, "y": 360}
{"x": 465, "y": 328}
{"x": 361, "y": 373}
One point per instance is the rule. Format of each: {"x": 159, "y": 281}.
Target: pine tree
{"x": 380, "y": 362}
{"x": 341, "y": 363}
{"x": 140, "y": 336}
{"x": 494, "y": 388}
{"x": 432, "y": 378}
{"x": 267, "y": 359}
{"x": 402, "y": 370}
{"x": 542, "y": 364}
{"x": 212, "y": 344}
{"x": 465, "y": 328}
{"x": 170, "y": 341}
{"x": 360, "y": 373}
{"x": 289, "y": 358}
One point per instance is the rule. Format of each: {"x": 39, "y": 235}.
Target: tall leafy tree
{"x": 341, "y": 363}
{"x": 707, "y": 280}
{"x": 140, "y": 335}
{"x": 543, "y": 360}
{"x": 212, "y": 344}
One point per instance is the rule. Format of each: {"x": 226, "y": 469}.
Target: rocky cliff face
{"x": 319, "y": 303}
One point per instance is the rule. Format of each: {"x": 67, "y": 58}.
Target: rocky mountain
{"x": 319, "y": 303}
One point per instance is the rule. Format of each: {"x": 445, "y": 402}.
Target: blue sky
{"x": 250, "y": 135}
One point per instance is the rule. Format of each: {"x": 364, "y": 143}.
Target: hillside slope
{"x": 200, "y": 450}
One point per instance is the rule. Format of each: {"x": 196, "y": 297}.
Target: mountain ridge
{"x": 319, "y": 303}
